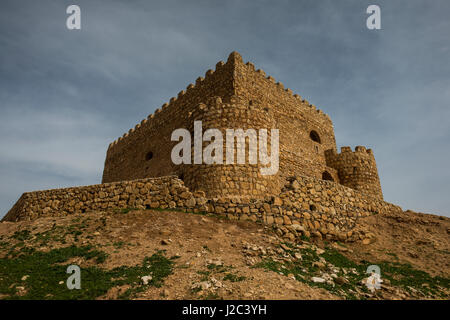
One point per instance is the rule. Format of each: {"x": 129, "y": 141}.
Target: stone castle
{"x": 236, "y": 95}
{"x": 316, "y": 191}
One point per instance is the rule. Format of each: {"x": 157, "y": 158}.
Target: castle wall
{"x": 233, "y": 96}
{"x": 310, "y": 207}
{"x": 163, "y": 192}
{"x": 305, "y": 207}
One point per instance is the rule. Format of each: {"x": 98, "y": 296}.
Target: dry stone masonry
{"x": 234, "y": 96}
{"x": 305, "y": 207}
{"x": 164, "y": 192}
{"x": 316, "y": 192}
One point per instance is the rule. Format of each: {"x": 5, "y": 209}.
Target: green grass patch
{"x": 205, "y": 275}
{"x": 118, "y": 244}
{"x": 405, "y": 276}
{"x": 124, "y": 210}
{"x": 233, "y": 277}
{"x": 399, "y": 275}
{"x": 217, "y": 268}
{"x": 21, "y": 235}
{"x": 45, "y": 271}
{"x": 392, "y": 255}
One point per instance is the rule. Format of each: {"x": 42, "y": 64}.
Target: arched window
{"x": 314, "y": 136}
{"x": 327, "y": 176}
{"x": 149, "y": 155}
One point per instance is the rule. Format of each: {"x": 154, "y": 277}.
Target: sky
{"x": 66, "y": 94}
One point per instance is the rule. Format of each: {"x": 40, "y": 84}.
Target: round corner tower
{"x": 235, "y": 180}
{"x": 356, "y": 170}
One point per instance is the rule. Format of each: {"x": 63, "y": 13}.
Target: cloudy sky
{"x": 65, "y": 95}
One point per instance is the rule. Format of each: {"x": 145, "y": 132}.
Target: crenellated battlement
{"x": 270, "y": 81}
{"x": 346, "y": 149}
{"x": 222, "y": 69}
{"x": 191, "y": 89}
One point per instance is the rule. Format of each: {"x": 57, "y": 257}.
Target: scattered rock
{"x": 341, "y": 280}
{"x": 320, "y": 251}
{"x": 204, "y": 285}
{"x": 289, "y": 286}
{"x": 318, "y": 264}
{"x": 215, "y": 262}
{"x": 339, "y": 247}
{"x": 146, "y": 279}
{"x": 216, "y": 283}
{"x": 250, "y": 261}
{"x": 164, "y": 232}
{"x": 317, "y": 280}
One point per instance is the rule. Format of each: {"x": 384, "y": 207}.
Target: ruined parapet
{"x": 356, "y": 170}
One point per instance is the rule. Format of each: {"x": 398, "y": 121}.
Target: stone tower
{"x": 356, "y": 170}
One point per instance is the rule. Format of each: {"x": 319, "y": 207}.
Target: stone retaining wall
{"x": 308, "y": 207}
{"x": 164, "y": 192}
{"x": 305, "y": 207}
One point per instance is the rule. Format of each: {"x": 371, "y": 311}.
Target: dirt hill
{"x": 157, "y": 254}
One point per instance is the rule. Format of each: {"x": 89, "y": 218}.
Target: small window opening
{"x": 314, "y": 136}
{"x": 149, "y": 156}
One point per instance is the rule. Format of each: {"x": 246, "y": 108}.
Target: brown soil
{"x": 423, "y": 240}
{"x": 196, "y": 239}
{"x": 419, "y": 239}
